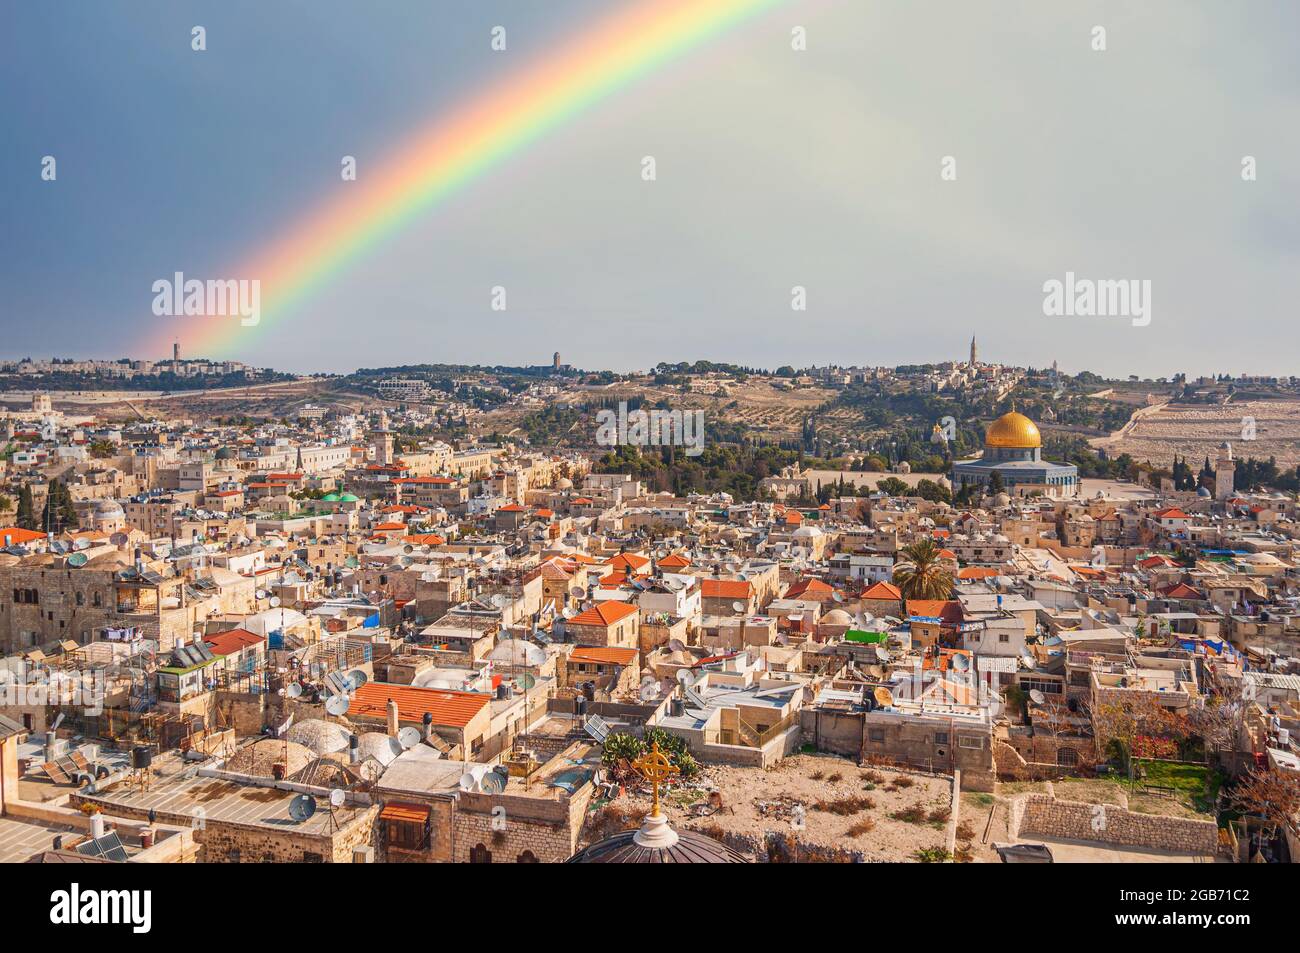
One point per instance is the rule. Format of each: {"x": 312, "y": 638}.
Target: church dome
{"x": 657, "y": 843}
{"x": 1013, "y": 431}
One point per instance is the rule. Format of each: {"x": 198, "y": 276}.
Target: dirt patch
{"x": 815, "y": 803}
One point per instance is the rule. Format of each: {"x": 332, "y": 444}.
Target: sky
{"x": 775, "y": 168}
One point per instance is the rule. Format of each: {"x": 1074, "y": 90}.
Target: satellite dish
{"x": 408, "y": 737}
{"x": 567, "y": 612}
{"x": 119, "y": 539}
{"x": 883, "y": 696}
{"x": 337, "y": 797}
{"x": 81, "y": 543}
{"x": 275, "y": 601}
{"x": 261, "y": 593}
{"x": 676, "y": 645}
{"x": 337, "y": 705}
{"x": 294, "y": 690}
{"x": 356, "y": 678}
{"x": 1037, "y": 697}
{"x": 77, "y": 560}
{"x": 468, "y": 782}
{"x": 837, "y": 596}
{"x": 685, "y": 676}
{"x": 577, "y": 592}
{"x": 302, "y": 807}
{"x": 738, "y": 606}
{"x": 960, "y": 663}
{"x": 492, "y": 783}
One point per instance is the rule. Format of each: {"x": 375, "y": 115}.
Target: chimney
{"x": 97, "y": 826}
{"x": 392, "y": 717}
{"x": 354, "y": 749}
{"x": 428, "y": 726}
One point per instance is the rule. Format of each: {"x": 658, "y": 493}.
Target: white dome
{"x": 807, "y": 532}
{"x": 322, "y": 737}
{"x": 381, "y": 747}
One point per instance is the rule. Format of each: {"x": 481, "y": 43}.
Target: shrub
{"x": 845, "y": 806}
{"x": 932, "y": 855}
{"x": 864, "y": 826}
{"x": 912, "y": 815}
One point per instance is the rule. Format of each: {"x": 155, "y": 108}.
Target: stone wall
{"x": 1043, "y": 815}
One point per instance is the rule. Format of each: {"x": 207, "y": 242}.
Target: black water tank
{"x": 141, "y": 757}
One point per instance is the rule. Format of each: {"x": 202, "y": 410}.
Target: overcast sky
{"x": 776, "y": 168}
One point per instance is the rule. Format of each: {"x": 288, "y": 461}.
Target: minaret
{"x": 974, "y": 352}
{"x": 1224, "y": 466}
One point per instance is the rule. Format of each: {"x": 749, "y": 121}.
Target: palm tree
{"x": 919, "y": 574}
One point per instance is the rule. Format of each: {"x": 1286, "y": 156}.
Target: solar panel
{"x": 108, "y": 847}
{"x": 595, "y": 726}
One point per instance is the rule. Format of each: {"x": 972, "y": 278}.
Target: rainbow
{"x": 454, "y": 150}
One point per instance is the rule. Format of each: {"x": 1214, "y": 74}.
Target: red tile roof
{"x": 949, "y": 610}
{"x": 603, "y": 655}
{"x": 235, "y": 640}
{"x": 604, "y": 613}
{"x": 725, "y": 589}
{"x": 883, "y": 590}
{"x": 451, "y": 708}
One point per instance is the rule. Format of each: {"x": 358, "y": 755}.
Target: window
{"x": 1003, "y": 637}
{"x": 941, "y": 737}
{"x": 877, "y": 735}
{"x": 310, "y": 858}
{"x": 479, "y": 854}
{"x": 970, "y": 741}
{"x": 407, "y": 835}
{"x": 527, "y": 857}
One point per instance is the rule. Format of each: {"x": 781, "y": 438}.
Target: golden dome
{"x": 1013, "y": 431}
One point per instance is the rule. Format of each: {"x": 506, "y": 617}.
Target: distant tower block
{"x": 555, "y": 361}
{"x": 176, "y": 351}
{"x": 1224, "y": 467}
{"x": 41, "y": 403}
{"x": 974, "y": 352}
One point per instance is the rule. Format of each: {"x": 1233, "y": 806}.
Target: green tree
{"x": 59, "y": 513}
{"x": 893, "y": 486}
{"x": 920, "y": 573}
{"x": 26, "y": 509}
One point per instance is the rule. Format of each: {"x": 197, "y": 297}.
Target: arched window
{"x": 479, "y": 854}
{"x": 527, "y": 857}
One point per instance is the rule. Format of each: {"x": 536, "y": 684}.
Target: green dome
{"x": 330, "y": 498}
{"x": 348, "y": 498}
